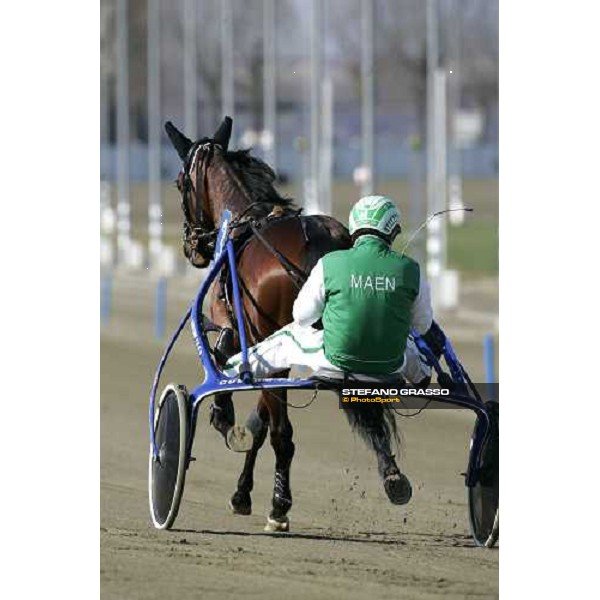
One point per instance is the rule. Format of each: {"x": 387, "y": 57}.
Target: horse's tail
{"x": 376, "y": 425}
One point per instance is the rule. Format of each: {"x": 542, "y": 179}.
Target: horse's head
{"x": 199, "y": 210}
{"x": 214, "y": 178}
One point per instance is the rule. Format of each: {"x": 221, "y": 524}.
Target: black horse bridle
{"x": 198, "y": 235}
{"x": 201, "y": 237}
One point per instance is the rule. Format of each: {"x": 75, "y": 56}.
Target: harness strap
{"x": 255, "y": 304}
{"x": 297, "y": 275}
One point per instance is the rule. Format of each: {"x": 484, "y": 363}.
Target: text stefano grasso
{"x": 395, "y": 392}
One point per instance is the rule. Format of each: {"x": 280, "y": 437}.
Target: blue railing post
{"x": 488, "y": 360}
{"x": 160, "y": 308}
{"x": 106, "y": 284}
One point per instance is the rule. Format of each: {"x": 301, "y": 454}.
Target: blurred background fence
{"x": 341, "y": 97}
{"x": 390, "y": 162}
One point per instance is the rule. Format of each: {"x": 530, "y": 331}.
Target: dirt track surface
{"x": 346, "y": 539}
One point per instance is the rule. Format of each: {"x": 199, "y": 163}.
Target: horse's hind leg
{"x": 258, "y": 424}
{"x": 396, "y": 484}
{"x": 378, "y": 427}
{"x": 281, "y": 440}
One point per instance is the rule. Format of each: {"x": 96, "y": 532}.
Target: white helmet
{"x": 375, "y": 212}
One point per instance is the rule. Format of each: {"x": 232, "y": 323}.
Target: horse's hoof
{"x": 240, "y": 509}
{"x": 239, "y": 438}
{"x": 275, "y": 525}
{"x": 398, "y": 488}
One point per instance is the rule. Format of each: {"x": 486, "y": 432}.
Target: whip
{"x": 426, "y": 222}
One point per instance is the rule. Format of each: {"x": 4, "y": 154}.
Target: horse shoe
{"x": 277, "y": 525}
{"x": 398, "y": 488}
{"x": 239, "y": 438}
{"x": 237, "y": 511}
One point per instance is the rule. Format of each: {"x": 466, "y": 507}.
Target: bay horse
{"x": 276, "y": 247}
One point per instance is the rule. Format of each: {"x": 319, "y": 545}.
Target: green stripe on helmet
{"x": 374, "y": 212}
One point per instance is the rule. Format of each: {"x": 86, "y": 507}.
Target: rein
{"x": 297, "y": 275}
{"x": 200, "y": 239}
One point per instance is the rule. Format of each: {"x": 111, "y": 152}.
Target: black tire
{"x": 166, "y": 476}
{"x": 484, "y": 495}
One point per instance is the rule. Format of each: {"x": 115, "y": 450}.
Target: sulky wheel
{"x": 483, "y": 496}
{"x": 166, "y": 473}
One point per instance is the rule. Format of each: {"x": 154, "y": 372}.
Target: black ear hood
{"x": 181, "y": 143}
{"x": 223, "y": 133}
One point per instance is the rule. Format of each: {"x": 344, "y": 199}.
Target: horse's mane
{"x": 257, "y": 177}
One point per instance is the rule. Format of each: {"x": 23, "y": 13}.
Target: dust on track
{"x": 346, "y": 540}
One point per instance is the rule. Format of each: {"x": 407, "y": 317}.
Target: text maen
{"x": 377, "y": 283}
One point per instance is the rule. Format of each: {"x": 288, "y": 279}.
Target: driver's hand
{"x": 436, "y": 339}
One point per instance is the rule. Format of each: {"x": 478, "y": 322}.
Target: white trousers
{"x": 301, "y": 348}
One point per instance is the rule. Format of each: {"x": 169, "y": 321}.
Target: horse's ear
{"x": 181, "y": 143}
{"x": 223, "y": 134}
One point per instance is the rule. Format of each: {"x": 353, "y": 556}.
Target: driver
{"x": 368, "y": 298}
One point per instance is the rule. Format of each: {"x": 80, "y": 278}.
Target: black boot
{"x": 222, "y": 414}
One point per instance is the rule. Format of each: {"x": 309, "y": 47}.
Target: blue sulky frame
{"x": 215, "y": 381}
